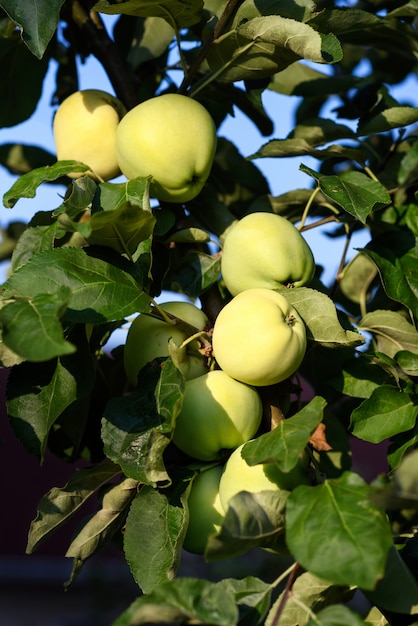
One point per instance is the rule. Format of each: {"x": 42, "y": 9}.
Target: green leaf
{"x": 357, "y": 278}
{"x": 252, "y": 520}
{"x": 178, "y": 13}
{"x": 100, "y": 291}
{"x": 349, "y": 538}
{"x": 189, "y": 235}
{"x": 283, "y": 148}
{"x": 358, "y": 378}
{"x": 101, "y": 526}
{"x": 27, "y": 184}
{"x": 252, "y": 596}
{"x": 153, "y": 35}
{"x": 387, "y": 412}
{"x": 183, "y": 600}
{"x": 32, "y": 329}
{"x": 195, "y": 273}
{"x": 286, "y": 442}
{"x": 136, "y": 428}
{"x": 59, "y": 504}
{"x": 308, "y": 592}
{"x": 37, "y": 394}
{"x": 21, "y": 80}
{"x": 20, "y": 158}
{"x": 320, "y": 317}
{"x": 153, "y": 530}
{"x": 265, "y": 45}
{"x": 391, "y": 330}
{"x": 354, "y": 191}
{"x": 38, "y": 21}
{"x": 300, "y": 10}
{"x": 384, "y": 121}
{"x": 337, "y": 615}
{"x": 396, "y": 256}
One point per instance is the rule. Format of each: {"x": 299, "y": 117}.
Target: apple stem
{"x": 202, "y": 338}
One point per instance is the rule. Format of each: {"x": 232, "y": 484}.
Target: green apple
{"x": 259, "y": 338}
{"x": 238, "y": 476}
{"x": 148, "y": 338}
{"x": 218, "y": 414}
{"x": 85, "y": 130}
{"x": 265, "y": 250}
{"x": 205, "y": 510}
{"x": 171, "y": 138}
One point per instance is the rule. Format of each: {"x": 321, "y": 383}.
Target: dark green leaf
{"x": 32, "y": 328}
{"x": 60, "y": 503}
{"x": 183, "y": 600}
{"x": 337, "y": 615}
{"x": 392, "y": 332}
{"x": 286, "y": 442}
{"x": 355, "y": 192}
{"x": 38, "y": 20}
{"x": 20, "y": 158}
{"x": 195, "y": 273}
{"x": 100, "y": 291}
{"x": 387, "y": 412}
{"x": 349, "y": 538}
{"x": 388, "y": 119}
{"x": 252, "y": 596}
{"x": 178, "y": 13}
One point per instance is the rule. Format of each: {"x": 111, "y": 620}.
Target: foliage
{"x": 73, "y": 282}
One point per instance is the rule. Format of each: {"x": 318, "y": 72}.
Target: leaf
{"x": 349, "y": 538}
{"x": 337, "y": 615}
{"x": 320, "y": 317}
{"x": 300, "y": 147}
{"x": 20, "y": 158}
{"x": 391, "y": 330}
{"x": 151, "y": 540}
{"x": 183, "y": 600}
{"x": 252, "y": 520}
{"x": 38, "y": 393}
{"x": 286, "y": 442}
{"x": 27, "y": 184}
{"x": 178, "y": 13}
{"x": 101, "y": 526}
{"x": 189, "y": 235}
{"x": 38, "y": 21}
{"x": 195, "y": 273}
{"x": 358, "y": 378}
{"x": 354, "y": 191}
{"x": 252, "y": 596}
{"x": 31, "y": 328}
{"x": 59, "y": 504}
{"x": 100, "y": 291}
{"x": 300, "y": 10}
{"x": 396, "y": 256}
{"x": 136, "y": 428}
{"x": 308, "y": 591}
{"x": 384, "y": 121}
{"x": 357, "y": 278}
{"x": 21, "y": 80}
{"x": 387, "y": 412}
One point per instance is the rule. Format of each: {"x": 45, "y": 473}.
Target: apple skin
{"x": 171, "y": 138}
{"x": 259, "y": 338}
{"x": 85, "y": 130}
{"x": 238, "y": 476}
{"x": 148, "y": 339}
{"x": 265, "y": 250}
{"x": 218, "y": 414}
{"x": 205, "y": 510}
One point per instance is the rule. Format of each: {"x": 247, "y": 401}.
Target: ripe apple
{"x": 238, "y": 476}
{"x": 205, "y": 510}
{"x": 219, "y": 413}
{"x": 265, "y": 250}
{"x": 85, "y": 130}
{"x": 148, "y": 338}
{"x": 259, "y": 338}
{"x": 171, "y": 138}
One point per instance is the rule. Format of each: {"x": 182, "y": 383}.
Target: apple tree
{"x": 109, "y": 251}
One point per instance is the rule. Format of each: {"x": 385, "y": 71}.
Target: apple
{"x": 219, "y": 413}
{"x": 85, "y": 130}
{"x": 171, "y": 138}
{"x": 265, "y": 250}
{"x": 238, "y": 476}
{"x": 205, "y": 510}
{"x": 148, "y": 338}
{"x": 259, "y": 338}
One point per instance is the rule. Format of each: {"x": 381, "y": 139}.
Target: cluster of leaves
{"x": 80, "y": 270}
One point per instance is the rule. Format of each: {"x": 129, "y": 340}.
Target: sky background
{"x": 282, "y": 174}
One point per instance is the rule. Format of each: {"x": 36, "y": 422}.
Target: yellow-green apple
{"x": 172, "y": 139}
{"x": 218, "y": 414}
{"x": 238, "y": 476}
{"x": 85, "y": 130}
{"x": 259, "y": 338}
{"x": 149, "y": 337}
{"x": 265, "y": 250}
{"x": 205, "y": 510}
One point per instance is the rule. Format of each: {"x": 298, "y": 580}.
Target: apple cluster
{"x": 170, "y": 139}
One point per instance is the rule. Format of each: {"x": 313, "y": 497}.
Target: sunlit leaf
{"x": 391, "y": 330}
